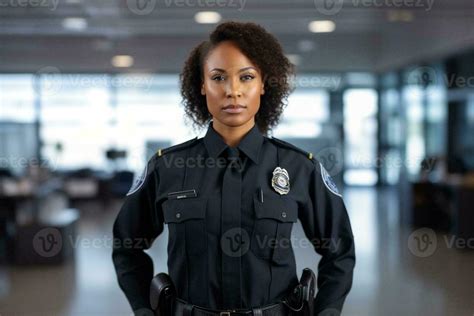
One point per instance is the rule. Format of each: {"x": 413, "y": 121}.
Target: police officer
{"x": 230, "y": 199}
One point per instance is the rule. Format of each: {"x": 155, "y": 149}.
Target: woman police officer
{"x": 230, "y": 199}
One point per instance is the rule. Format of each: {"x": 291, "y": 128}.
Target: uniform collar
{"x": 250, "y": 143}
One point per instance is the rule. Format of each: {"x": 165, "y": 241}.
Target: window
{"x": 360, "y": 131}
{"x": 17, "y": 98}
{"x": 307, "y": 110}
{"x": 75, "y": 114}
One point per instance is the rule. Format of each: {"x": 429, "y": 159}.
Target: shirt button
{"x": 178, "y": 215}
{"x": 283, "y": 214}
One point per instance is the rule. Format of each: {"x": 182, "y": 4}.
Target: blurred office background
{"x": 384, "y": 98}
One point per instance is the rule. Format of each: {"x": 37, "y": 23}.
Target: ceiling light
{"x": 122, "y": 61}
{"x": 74, "y": 24}
{"x": 207, "y": 17}
{"x": 323, "y": 26}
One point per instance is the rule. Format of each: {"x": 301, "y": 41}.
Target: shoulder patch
{"x": 284, "y": 144}
{"x": 176, "y": 147}
{"x": 328, "y": 181}
{"x": 138, "y": 181}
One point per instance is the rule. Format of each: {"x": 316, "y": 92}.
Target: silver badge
{"x": 281, "y": 180}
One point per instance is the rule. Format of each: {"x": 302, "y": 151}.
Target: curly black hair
{"x": 263, "y": 49}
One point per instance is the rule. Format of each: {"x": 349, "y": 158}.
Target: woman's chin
{"x": 234, "y": 120}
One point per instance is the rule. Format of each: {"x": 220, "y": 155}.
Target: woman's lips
{"x": 234, "y": 109}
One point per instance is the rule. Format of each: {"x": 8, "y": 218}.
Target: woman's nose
{"x": 233, "y": 88}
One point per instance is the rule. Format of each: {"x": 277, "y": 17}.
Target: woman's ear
{"x": 263, "y": 91}
{"x": 203, "y": 91}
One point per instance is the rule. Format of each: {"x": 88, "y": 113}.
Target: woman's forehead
{"x": 228, "y": 57}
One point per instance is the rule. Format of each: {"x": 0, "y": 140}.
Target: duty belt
{"x": 182, "y": 308}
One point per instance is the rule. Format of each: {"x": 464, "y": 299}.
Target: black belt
{"x": 182, "y": 308}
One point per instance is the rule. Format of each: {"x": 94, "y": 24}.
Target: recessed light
{"x": 74, "y": 24}
{"x": 122, "y": 61}
{"x": 207, "y": 17}
{"x": 323, "y": 26}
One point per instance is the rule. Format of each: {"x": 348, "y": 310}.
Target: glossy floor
{"x": 393, "y": 275}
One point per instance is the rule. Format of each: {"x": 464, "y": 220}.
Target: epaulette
{"x": 291, "y": 146}
{"x": 188, "y": 143}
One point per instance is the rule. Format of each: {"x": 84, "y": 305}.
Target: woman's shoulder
{"x": 292, "y": 149}
{"x": 178, "y": 147}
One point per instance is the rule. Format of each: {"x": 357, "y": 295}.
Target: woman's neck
{"x": 232, "y": 135}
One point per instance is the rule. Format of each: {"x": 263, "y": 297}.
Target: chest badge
{"x": 281, "y": 181}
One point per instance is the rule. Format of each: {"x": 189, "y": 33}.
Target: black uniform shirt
{"x": 182, "y": 186}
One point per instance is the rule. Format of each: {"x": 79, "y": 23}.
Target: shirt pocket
{"x": 186, "y": 219}
{"x": 271, "y": 237}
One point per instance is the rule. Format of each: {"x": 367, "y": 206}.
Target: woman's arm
{"x": 326, "y": 224}
{"x": 136, "y": 226}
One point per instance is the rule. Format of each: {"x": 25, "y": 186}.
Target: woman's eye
{"x": 247, "y": 77}
{"x": 218, "y": 78}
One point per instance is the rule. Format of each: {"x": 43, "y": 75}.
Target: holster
{"x": 162, "y": 295}
{"x": 301, "y": 300}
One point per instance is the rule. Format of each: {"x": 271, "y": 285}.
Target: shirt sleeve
{"x": 137, "y": 224}
{"x": 326, "y": 224}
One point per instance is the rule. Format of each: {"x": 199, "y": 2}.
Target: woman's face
{"x": 232, "y": 85}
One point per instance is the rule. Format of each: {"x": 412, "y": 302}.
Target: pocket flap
{"x": 177, "y": 211}
{"x": 283, "y": 209}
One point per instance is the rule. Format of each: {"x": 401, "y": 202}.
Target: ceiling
{"x": 370, "y": 35}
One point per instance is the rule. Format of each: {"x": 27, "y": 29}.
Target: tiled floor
{"x": 391, "y": 277}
